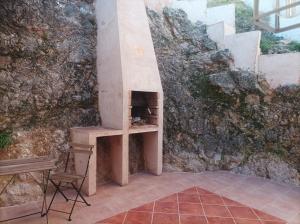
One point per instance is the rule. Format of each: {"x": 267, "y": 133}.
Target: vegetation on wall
{"x": 270, "y": 43}
{"x": 200, "y": 87}
{"x": 213, "y": 3}
{"x": 294, "y": 46}
{"x": 5, "y": 139}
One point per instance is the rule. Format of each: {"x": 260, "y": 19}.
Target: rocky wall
{"x": 47, "y": 81}
{"x": 216, "y": 118}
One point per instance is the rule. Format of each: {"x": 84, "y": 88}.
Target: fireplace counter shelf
{"x": 99, "y": 131}
{"x": 134, "y": 129}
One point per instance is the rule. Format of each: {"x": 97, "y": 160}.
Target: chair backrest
{"x": 81, "y": 154}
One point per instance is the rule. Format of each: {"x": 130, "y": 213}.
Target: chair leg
{"x": 59, "y": 191}
{"x": 8, "y": 183}
{"x": 88, "y": 204}
{"x": 73, "y": 206}
{"x": 78, "y": 193}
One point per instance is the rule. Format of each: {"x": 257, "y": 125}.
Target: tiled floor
{"x": 193, "y": 206}
{"x": 273, "y": 198}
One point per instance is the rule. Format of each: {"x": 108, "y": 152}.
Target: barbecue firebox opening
{"x": 143, "y": 107}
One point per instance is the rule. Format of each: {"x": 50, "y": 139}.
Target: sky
{"x": 292, "y": 34}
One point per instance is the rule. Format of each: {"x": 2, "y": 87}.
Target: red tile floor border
{"x": 193, "y": 206}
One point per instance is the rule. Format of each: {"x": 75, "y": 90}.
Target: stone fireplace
{"x": 130, "y": 93}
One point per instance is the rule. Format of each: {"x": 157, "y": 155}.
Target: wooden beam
{"x": 258, "y": 17}
{"x": 295, "y": 26}
{"x": 256, "y": 9}
{"x": 265, "y": 26}
{"x": 277, "y": 22}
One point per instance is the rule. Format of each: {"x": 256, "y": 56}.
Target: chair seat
{"x": 66, "y": 177}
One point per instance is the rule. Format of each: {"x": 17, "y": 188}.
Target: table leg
{"x": 45, "y": 187}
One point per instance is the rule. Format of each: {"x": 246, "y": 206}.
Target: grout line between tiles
{"x": 125, "y": 217}
{"x": 227, "y": 209}
{"x": 260, "y": 220}
{"x": 178, "y": 208}
{"x": 201, "y": 205}
{"x": 153, "y": 211}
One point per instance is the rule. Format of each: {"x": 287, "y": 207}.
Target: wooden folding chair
{"x": 80, "y": 153}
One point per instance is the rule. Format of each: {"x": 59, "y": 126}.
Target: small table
{"x": 18, "y": 166}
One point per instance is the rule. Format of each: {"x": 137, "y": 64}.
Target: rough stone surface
{"x": 136, "y": 154}
{"x": 270, "y": 166}
{"x": 104, "y": 167}
{"x": 216, "y": 118}
{"x": 47, "y": 80}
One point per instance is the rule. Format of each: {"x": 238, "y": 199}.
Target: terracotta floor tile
{"x": 144, "y": 208}
{"x": 272, "y": 222}
{"x": 190, "y": 219}
{"x": 192, "y": 190}
{"x": 211, "y": 199}
{"x": 247, "y": 221}
{"x": 138, "y": 218}
{"x": 166, "y": 207}
{"x": 230, "y": 202}
{"x": 216, "y": 211}
{"x": 159, "y": 218}
{"x": 117, "y": 219}
{"x": 171, "y": 198}
{"x": 190, "y": 209}
{"x": 218, "y": 220}
{"x": 202, "y": 191}
{"x": 265, "y": 216}
{"x": 242, "y": 212}
{"x": 188, "y": 198}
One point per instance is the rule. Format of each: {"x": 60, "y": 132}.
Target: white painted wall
{"x": 280, "y": 69}
{"x": 228, "y": 29}
{"x": 216, "y": 32}
{"x": 157, "y": 5}
{"x": 245, "y": 48}
{"x": 195, "y": 9}
{"x": 224, "y": 13}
